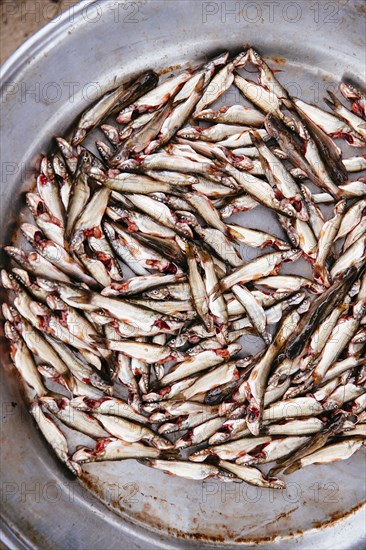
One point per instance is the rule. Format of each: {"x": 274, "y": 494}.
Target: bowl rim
{"x": 38, "y": 39}
{"x": 11, "y": 69}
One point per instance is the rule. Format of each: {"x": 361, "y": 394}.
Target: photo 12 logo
{"x": 52, "y": 491}
{"x": 294, "y": 493}
{"x": 51, "y": 92}
{"x": 271, "y": 12}
{"x": 92, "y": 12}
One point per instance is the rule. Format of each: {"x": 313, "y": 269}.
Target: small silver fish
{"x": 54, "y": 437}
{"x": 235, "y": 114}
{"x": 115, "y": 99}
{"x": 23, "y": 360}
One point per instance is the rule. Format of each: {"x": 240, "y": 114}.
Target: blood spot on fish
{"x": 279, "y": 195}
{"x": 93, "y": 232}
{"x": 358, "y": 109}
{"x": 91, "y": 403}
{"x": 154, "y": 264}
{"x": 62, "y": 403}
{"x": 161, "y": 324}
{"x": 181, "y": 419}
{"x": 222, "y": 353}
{"x": 171, "y": 268}
{"x": 227, "y": 428}
{"x": 43, "y": 180}
{"x": 63, "y": 317}
{"x": 43, "y": 323}
{"x": 131, "y": 227}
{"x": 167, "y": 359}
{"x": 340, "y": 135}
{"x": 106, "y": 260}
{"x": 253, "y": 414}
{"x": 101, "y": 445}
{"x": 38, "y": 237}
{"x": 164, "y": 391}
{"x": 40, "y": 209}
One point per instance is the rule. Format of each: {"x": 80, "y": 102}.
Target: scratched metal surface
{"x": 86, "y": 50}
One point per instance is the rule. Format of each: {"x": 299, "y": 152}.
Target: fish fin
{"x": 145, "y": 461}
{"x": 200, "y": 84}
{"x": 233, "y": 235}
{"x": 275, "y": 470}
{"x": 99, "y": 341}
{"x": 333, "y": 101}
{"x": 288, "y": 104}
{"x": 83, "y": 296}
{"x": 256, "y": 137}
{"x": 321, "y": 275}
{"x": 293, "y": 468}
{"x": 221, "y": 59}
{"x": 215, "y": 292}
{"x": 52, "y": 395}
{"x": 170, "y": 454}
{"x": 74, "y": 467}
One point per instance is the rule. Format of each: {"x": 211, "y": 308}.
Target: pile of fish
{"x": 130, "y": 293}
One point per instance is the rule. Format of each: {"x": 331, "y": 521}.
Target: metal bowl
{"x": 46, "y": 84}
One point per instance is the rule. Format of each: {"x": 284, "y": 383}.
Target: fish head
{"x": 11, "y": 332}
{"x": 119, "y": 158}
{"x": 273, "y": 126}
{"x": 8, "y": 280}
{"x": 78, "y": 136}
{"x": 255, "y": 58}
{"x": 104, "y": 150}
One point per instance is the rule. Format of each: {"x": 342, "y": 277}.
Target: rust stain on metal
{"x": 37, "y": 540}
{"x": 92, "y": 483}
{"x": 278, "y": 60}
{"x": 282, "y": 515}
{"x": 169, "y": 69}
{"x": 146, "y": 517}
{"x": 337, "y": 516}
